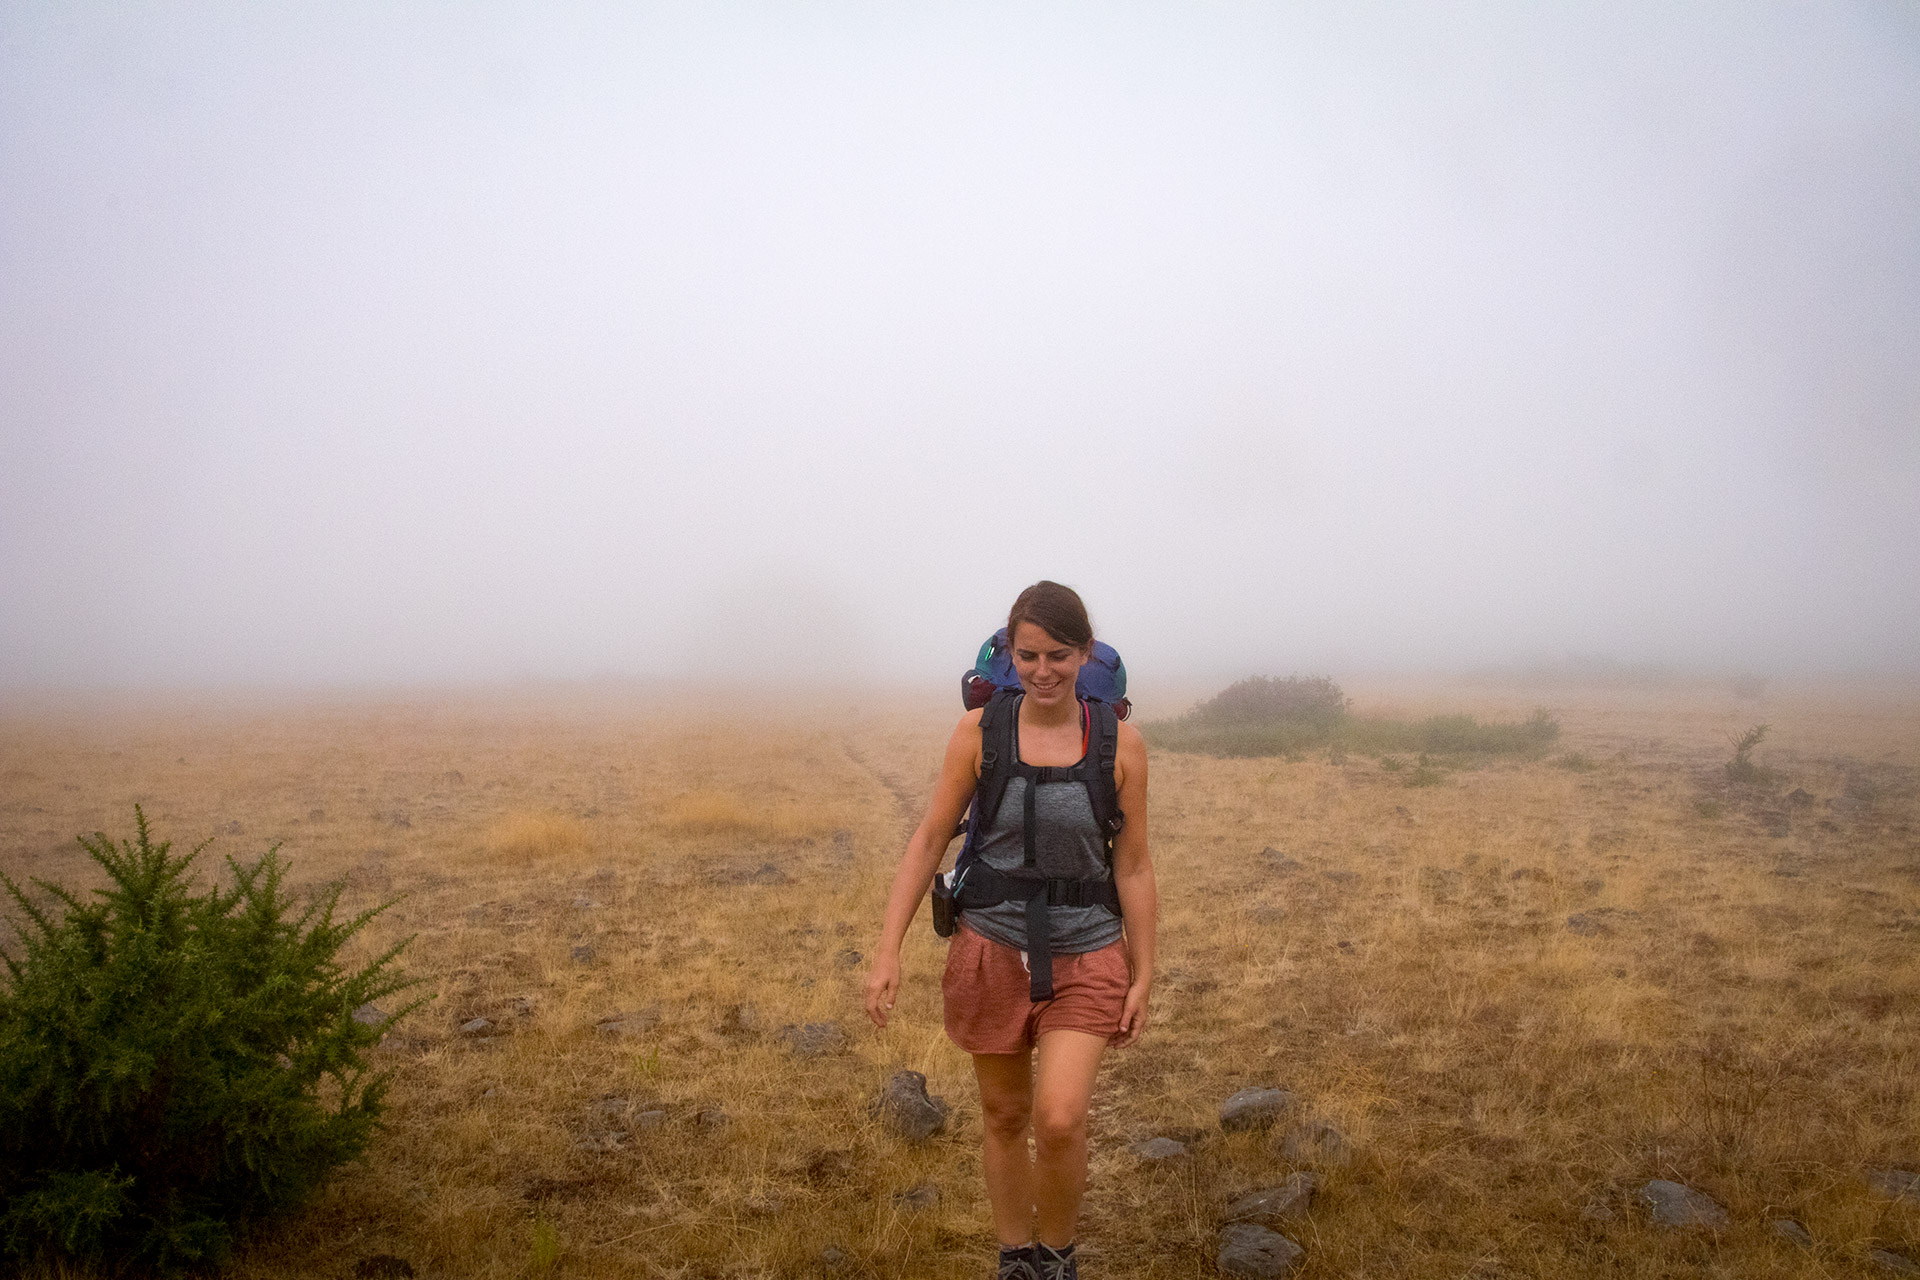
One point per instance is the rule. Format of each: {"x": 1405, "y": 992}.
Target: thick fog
{"x": 466, "y": 342}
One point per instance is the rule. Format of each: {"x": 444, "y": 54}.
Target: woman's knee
{"x": 1006, "y": 1117}
{"x": 1059, "y": 1124}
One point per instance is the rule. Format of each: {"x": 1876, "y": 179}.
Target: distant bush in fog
{"x": 1269, "y": 716}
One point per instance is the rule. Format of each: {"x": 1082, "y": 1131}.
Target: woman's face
{"x": 1047, "y": 667}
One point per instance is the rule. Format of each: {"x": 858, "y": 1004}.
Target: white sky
{"x": 467, "y": 341}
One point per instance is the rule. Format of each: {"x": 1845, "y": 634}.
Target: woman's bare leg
{"x": 1006, "y": 1112}
{"x": 1062, "y": 1090}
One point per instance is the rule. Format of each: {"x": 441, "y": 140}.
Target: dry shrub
{"x": 527, "y": 836}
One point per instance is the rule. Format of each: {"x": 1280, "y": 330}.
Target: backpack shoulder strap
{"x": 999, "y": 746}
{"x": 1102, "y": 747}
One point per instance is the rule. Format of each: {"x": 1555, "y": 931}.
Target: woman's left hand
{"x": 1133, "y": 1016}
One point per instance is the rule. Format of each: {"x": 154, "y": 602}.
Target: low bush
{"x": 1741, "y": 769}
{"x": 1264, "y": 716}
{"x": 175, "y": 1064}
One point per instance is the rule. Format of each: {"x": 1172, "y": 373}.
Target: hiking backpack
{"x": 972, "y": 882}
{"x": 1103, "y": 676}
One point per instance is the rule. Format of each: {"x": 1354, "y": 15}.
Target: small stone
{"x": 1792, "y": 1232}
{"x": 382, "y": 1266}
{"x": 814, "y": 1039}
{"x": 1896, "y": 1264}
{"x": 848, "y": 958}
{"x": 1247, "y": 1249}
{"x": 601, "y": 1142}
{"x": 1895, "y": 1184}
{"x": 1674, "y": 1205}
{"x": 493, "y": 1091}
{"x": 833, "y": 1257}
{"x": 1291, "y": 1199}
{"x": 369, "y": 1016}
{"x": 651, "y": 1118}
{"x": 582, "y": 954}
{"x": 740, "y": 1020}
{"x": 1159, "y": 1149}
{"x": 1255, "y": 1108}
{"x": 611, "y": 1107}
{"x": 763, "y": 1206}
{"x": 711, "y": 1118}
{"x": 475, "y": 1027}
{"x": 1278, "y": 862}
{"x": 637, "y": 1023}
{"x": 918, "y": 1199}
{"x": 1316, "y": 1143}
{"x": 905, "y": 1108}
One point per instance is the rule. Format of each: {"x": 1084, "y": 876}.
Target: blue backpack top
{"x": 1103, "y": 677}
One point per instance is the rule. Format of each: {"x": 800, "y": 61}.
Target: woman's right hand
{"x": 883, "y": 984}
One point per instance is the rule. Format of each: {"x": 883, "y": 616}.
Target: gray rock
{"x": 740, "y": 1020}
{"x": 905, "y": 1108}
{"x": 833, "y": 1257}
{"x": 711, "y": 1118}
{"x": 637, "y": 1023}
{"x": 1279, "y": 862}
{"x": 918, "y": 1199}
{"x": 814, "y": 1039}
{"x": 1291, "y": 1199}
{"x": 652, "y": 1118}
{"x": 1894, "y": 1264}
{"x": 1895, "y": 1184}
{"x": 582, "y": 954}
{"x": 1792, "y": 1232}
{"x": 1254, "y": 1108}
{"x": 1157, "y": 1149}
{"x": 475, "y": 1027}
{"x": 1247, "y": 1249}
{"x": 611, "y": 1107}
{"x": 1316, "y": 1142}
{"x": 369, "y": 1016}
{"x": 1674, "y": 1205}
{"x": 848, "y": 959}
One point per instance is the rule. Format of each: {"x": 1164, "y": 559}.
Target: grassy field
{"x": 1520, "y": 991}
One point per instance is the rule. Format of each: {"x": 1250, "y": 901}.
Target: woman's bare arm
{"x": 959, "y": 775}
{"x": 1133, "y": 877}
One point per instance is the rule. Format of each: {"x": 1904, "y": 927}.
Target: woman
{"x": 1036, "y": 1062}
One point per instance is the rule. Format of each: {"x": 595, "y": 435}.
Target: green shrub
{"x": 1741, "y": 770}
{"x": 1265, "y": 716}
{"x": 173, "y": 1064}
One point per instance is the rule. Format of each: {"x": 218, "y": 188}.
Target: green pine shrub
{"x": 1741, "y": 769}
{"x": 176, "y": 1064}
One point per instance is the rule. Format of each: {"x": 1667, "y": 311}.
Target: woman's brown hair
{"x": 1056, "y": 610}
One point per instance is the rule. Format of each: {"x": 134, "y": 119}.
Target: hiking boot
{"x": 1048, "y": 1265}
{"x": 1016, "y": 1264}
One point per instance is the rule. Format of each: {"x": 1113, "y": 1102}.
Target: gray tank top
{"x": 1067, "y": 846}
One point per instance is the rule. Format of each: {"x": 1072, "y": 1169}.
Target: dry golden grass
{"x": 524, "y": 836}
{"x": 1741, "y": 1016}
